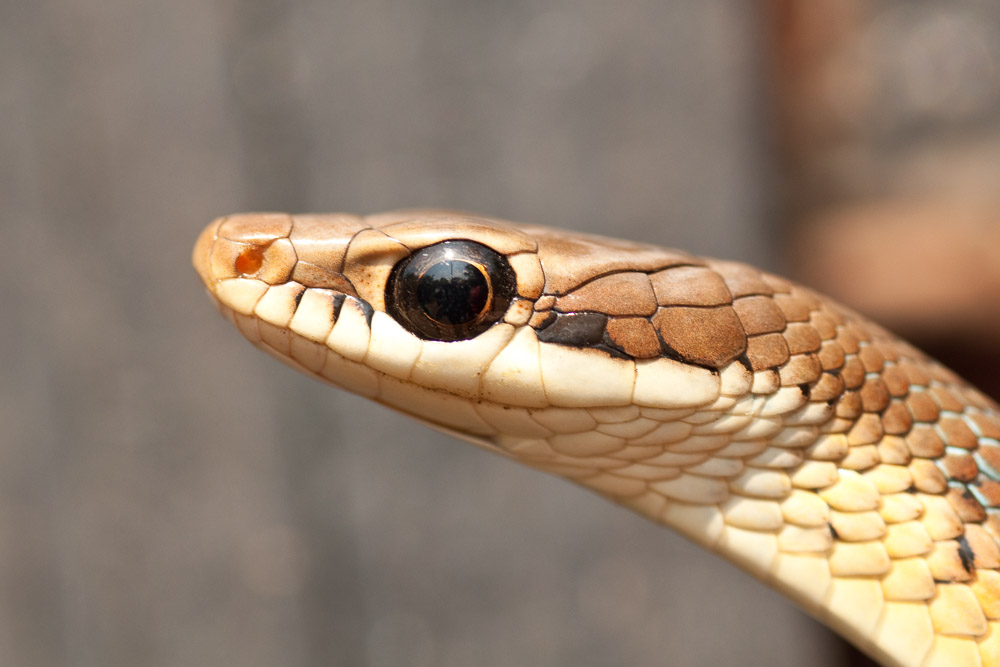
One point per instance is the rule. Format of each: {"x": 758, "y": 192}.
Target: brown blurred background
{"x": 169, "y": 496}
{"x": 887, "y": 118}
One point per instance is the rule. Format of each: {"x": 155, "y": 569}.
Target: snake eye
{"x": 449, "y": 291}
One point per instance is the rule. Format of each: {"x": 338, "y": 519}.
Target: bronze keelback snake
{"x": 807, "y": 445}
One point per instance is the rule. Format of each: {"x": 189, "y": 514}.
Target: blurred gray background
{"x": 169, "y": 496}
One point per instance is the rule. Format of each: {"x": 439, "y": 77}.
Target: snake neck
{"x": 802, "y": 442}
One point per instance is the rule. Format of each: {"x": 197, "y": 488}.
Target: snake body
{"x": 804, "y": 443}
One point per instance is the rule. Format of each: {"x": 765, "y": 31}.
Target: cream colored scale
{"x": 803, "y": 443}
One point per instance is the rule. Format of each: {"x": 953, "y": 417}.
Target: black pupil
{"x": 453, "y": 292}
{"x": 449, "y": 291}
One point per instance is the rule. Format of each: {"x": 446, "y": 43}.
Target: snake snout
{"x": 246, "y": 246}
{"x": 240, "y": 258}
{"x": 202, "y": 252}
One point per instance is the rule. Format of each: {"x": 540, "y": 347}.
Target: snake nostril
{"x": 250, "y": 260}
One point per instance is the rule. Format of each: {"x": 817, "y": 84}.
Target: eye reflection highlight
{"x": 450, "y": 291}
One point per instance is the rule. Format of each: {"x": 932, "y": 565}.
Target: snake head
{"x": 639, "y": 371}
{"x": 408, "y": 308}
{"x": 509, "y": 336}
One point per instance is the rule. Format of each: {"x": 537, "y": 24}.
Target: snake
{"x": 804, "y": 443}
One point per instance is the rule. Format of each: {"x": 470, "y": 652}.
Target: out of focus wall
{"x": 168, "y": 496}
{"x": 888, "y": 118}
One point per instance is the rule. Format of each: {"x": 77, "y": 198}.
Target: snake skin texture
{"x": 807, "y": 445}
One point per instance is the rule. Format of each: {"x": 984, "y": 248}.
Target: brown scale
{"x": 690, "y": 286}
{"x": 831, "y": 355}
{"x": 759, "y": 315}
{"x": 896, "y": 419}
{"x": 794, "y": 309}
{"x": 922, "y": 407}
{"x": 704, "y": 336}
{"x": 989, "y": 426}
{"x": 991, "y": 455}
{"x": 628, "y": 293}
{"x": 829, "y": 387}
{"x": 895, "y": 381}
{"x": 966, "y": 505}
{"x": 957, "y": 433}
{"x": 916, "y": 375}
{"x": 849, "y": 341}
{"x": 800, "y": 369}
{"x": 825, "y": 323}
{"x": 802, "y": 338}
{"x": 853, "y": 373}
{"x": 924, "y": 442}
{"x": 635, "y": 335}
{"x": 874, "y": 395}
{"x": 960, "y": 468}
{"x": 742, "y": 280}
{"x": 767, "y": 351}
{"x": 849, "y": 405}
{"x": 989, "y": 490}
{"x": 871, "y": 358}
{"x": 945, "y": 399}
